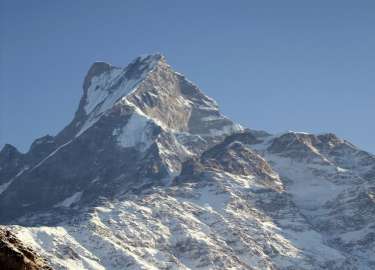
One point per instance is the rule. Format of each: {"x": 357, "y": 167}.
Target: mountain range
{"x": 149, "y": 174}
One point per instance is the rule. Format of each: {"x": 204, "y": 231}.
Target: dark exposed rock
{"x": 11, "y": 163}
{"x": 14, "y": 255}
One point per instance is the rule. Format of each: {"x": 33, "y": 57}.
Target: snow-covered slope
{"x": 219, "y": 222}
{"x": 150, "y": 175}
{"x": 332, "y": 182}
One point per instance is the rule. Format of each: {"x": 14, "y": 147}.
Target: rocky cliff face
{"x": 14, "y": 255}
{"x": 150, "y": 175}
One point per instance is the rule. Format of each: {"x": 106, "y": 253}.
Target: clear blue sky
{"x": 283, "y": 65}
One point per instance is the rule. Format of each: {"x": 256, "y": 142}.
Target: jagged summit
{"x": 100, "y": 67}
{"x": 145, "y": 115}
{"x": 151, "y": 88}
{"x": 102, "y": 77}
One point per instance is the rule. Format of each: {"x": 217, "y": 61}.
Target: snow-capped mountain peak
{"x": 150, "y": 175}
{"x": 151, "y": 116}
{"x": 151, "y": 87}
{"x": 106, "y": 83}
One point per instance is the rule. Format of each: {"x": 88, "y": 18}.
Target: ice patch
{"x": 68, "y": 202}
{"x": 226, "y": 130}
{"x": 339, "y": 169}
{"x": 5, "y": 186}
{"x": 137, "y": 132}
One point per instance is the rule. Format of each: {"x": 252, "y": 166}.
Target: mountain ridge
{"x": 126, "y": 97}
{"x": 150, "y": 175}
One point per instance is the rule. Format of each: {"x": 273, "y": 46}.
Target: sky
{"x": 271, "y": 65}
